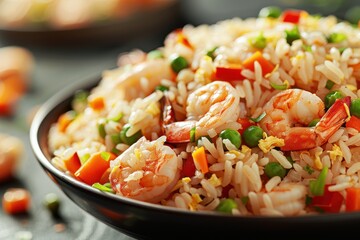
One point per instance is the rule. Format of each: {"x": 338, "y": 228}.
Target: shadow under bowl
{"x": 149, "y": 221}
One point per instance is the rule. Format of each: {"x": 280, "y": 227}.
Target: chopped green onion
{"x": 192, "y": 134}
{"x": 211, "y": 52}
{"x": 105, "y": 155}
{"x": 306, "y": 48}
{"x": 101, "y": 130}
{"x": 292, "y": 35}
{"x": 329, "y": 84}
{"x": 244, "y": 200}
{"x": 308, "y": 200}
{"x": 342, "y": 49}
{"x": 259, "y": 118}
{"x": 79, "y": 101}
{"x": 129, "y": 140}
{"x": 115, "y": 139}
{"x": 52, "y": 203}
{"x": 259, "y": 42}
{"x": 226, "y": 205}
{"x": 270, "y": 12}
{"x": 104, "y": 188}
{"x": 155, "y": 54}
{"x": 283, "y": 86}
{"x": 117, "y": 118}
{"x": 336, "y": 37}
{"x": 115, "y": 151}
{"x": 314, "y": 122}
{"x": 162, "y": 88}
{"x": 317, "y": 186}
{"x": 84, "y": 158}
{"x": 289, "y": 158}
{"x": 308, "y": 169}
{"x": 179, "y": 63}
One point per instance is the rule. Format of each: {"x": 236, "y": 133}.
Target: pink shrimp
{"x": 291, "y": 109}
{"x": 208, "y": 107}
{"x": 146, "y": 171}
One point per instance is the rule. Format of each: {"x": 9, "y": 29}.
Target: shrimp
{"x": 288, "y": 198}
{"x": 138, "y": 81}
{"x": 208, "y": 107}
{"x": 146, "y": 171}
{"x": 293, "y": 107}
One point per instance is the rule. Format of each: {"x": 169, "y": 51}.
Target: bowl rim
{"x": 88, "y": 83}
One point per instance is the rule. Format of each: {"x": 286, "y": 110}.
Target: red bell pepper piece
{"x": 354, "y": 122}
{"x": 231, "y": 73}
{"x": 329, "y": 202}
{"x": 291, "y": 16}
{"x": 189, "y": 168}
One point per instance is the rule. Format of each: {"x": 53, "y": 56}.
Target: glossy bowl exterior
{"x": 150, "y": 221}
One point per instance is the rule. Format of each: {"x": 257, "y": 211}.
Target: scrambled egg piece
{"x": 347, "y": 112}
{"x": 269, "y": 142}
{"x": 245, "y": 149}
{"x": 214, "y": 180}
{"x": 195, "y": 200}
{"x": 317, "y": 161}
{"x": 335, "y": 152}
{"x": 153, "y": 109}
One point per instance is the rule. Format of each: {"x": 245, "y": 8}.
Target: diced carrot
{"x": 105, "y": 177}
{"x": 93, "y": 169}
{"x": 266, "y": 66}
{"x": 354, "y": 122}
{"x": 355, "y": 66}
{"x": 72, "y": 163}
{"x": 352, "y": 201}
{"x": 200, "y": 159}
{"x": 64, "y": 120}
{"x": 97, "y": 103}
{"x": 245, "y": 123}
{"x": 16, "y": 200}
{"x": 178, "y": 37}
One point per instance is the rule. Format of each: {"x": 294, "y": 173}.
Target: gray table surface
{"x": 54, "y": 69}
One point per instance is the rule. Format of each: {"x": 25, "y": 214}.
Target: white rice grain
{"x": 228, "y": 173}
{"x": 254, "y": 202}
{"x": 346, "y": 151}
{"x": 281, "y": 159}
{"x": 353, "y": 140}
{"x": 336, "y": 136}
{"x": 339, "y": 187}
{"x": 209, "y": 188}
{"x": 353, "y": 169}
{"x": 273, "y": 182}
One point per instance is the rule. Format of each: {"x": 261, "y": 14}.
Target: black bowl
{"x": 144, "y": 220}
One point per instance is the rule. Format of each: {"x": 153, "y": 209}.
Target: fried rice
{"x": 256, "y": 116}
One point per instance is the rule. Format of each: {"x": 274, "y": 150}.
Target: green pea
{"x": 252, "y": 135}
{"x": 52, "y": 203}
{"x": 314, "y": 122}
{"x": 179, "y": 63}
{"x": 259, "y": 42}
{"x": 131, "y": 139}
{"x": 271, "y": 12}
{"x": 273, "y": 169}
{"x": 233, "y": 135}
{"x": 292, "y": 35}
{"x": 155, "y": 54}
{"x": 331, "y": 97}
{"x": 355, "y": 107}
{"x": 226, "y": 205}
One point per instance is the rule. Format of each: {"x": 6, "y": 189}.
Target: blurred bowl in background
{"x": 77, "y": 23}
{"x": 211, "y": 11}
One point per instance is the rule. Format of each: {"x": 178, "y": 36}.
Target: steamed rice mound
{"x": 208, "y": 83}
